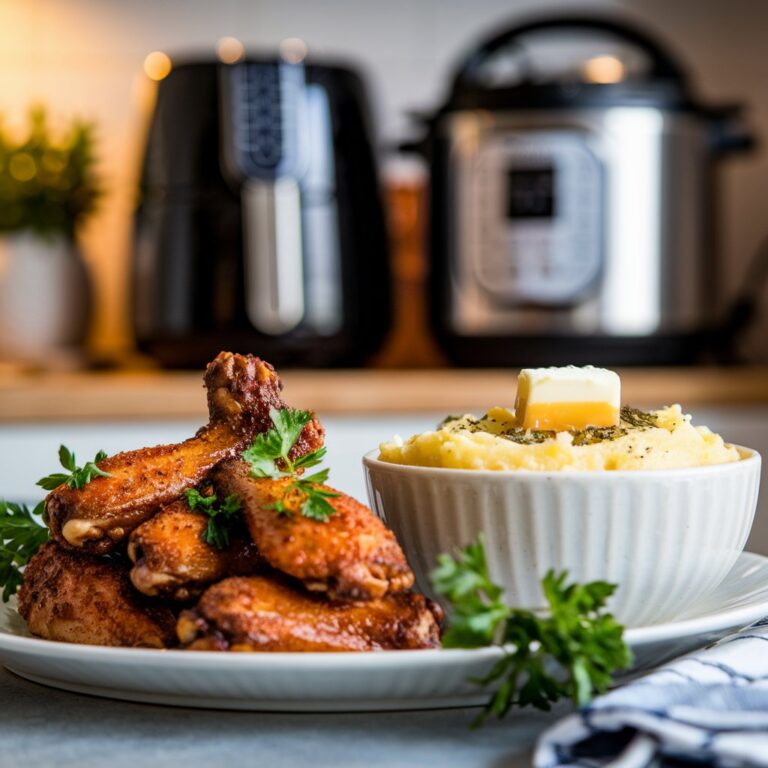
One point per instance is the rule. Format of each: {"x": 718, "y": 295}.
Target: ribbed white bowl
{"x": 666, "y": 537}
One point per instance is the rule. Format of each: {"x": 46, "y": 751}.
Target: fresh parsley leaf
{"x": 20, "y": 538}
{"x": 318, "y": 478}
{"x": 478, "y": 608}
{"x": 222, "y": 517}
{"x": 77, "y": 476}
{"x": 316, "y": 505}
{"x": 53, "y": 481}
{"x": 281, "y": 509}
{"x": 67, "y": 458}
{"x": 269, "y": 456}
{"x": 578, "y": 636}
{"x": 263, "y": 454}
{"x": 311, "y": 459}
{"x": 289, "y": 424}
{"x": 271, "y": 449}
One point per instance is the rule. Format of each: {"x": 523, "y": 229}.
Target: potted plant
{"x": 47, "y": 189}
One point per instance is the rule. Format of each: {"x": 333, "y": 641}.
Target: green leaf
{"x": 52, "y": 481}
{"x": 289, "y": 423}
{"x": 59, "y": 186}
{"x": 280, "y": 508}
{"x": 197, "y": 501}
{"x": 275, "y": 444}
{"x": 262, "y": 454}
{"x": 271, "y": 450}
{"x": 317, "y": 507}
{"x": 67, "y": 458}
{"x": 223, "y": 517}
{"x": 573, "y": 650}
{"x": 21, "y": 536}
{"x": 77, "y": 477}
{"x": 311, "y": 459}
{"x": 317, "y": 479}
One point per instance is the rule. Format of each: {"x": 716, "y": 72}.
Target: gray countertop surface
{"x": 43, "y": 727}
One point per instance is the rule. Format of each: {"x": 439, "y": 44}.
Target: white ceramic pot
{"x": 666, "y": 537}
{"x": 44, "y": 296}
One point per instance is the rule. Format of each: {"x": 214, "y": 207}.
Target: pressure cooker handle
{"x": 663, "y": 65}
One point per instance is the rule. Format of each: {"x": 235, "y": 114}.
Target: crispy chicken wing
{"x": 76, "y": 597}
{"x": 172, "y": 559}
{"x": 241, "y": 391}
{"x": 352, "y": 556}
{"x": 263, "y": 613}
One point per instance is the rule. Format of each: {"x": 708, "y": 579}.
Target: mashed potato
{"x": 661, "y": 439}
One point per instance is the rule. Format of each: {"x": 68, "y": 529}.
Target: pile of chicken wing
{"x": 128, "y": 564}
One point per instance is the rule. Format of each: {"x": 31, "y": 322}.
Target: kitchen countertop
{"x": 44, "y": 727}
{"x": 174, "y": 395}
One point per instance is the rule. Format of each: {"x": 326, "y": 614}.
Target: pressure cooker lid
{"x": 569, "y": 62}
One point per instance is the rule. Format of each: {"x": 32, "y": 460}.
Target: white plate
{"x": 326, "y": 682}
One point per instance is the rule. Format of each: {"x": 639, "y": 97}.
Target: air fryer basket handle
{"x": 663, "y": 65}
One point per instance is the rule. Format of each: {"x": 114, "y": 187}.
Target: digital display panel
{"x": 531, "y": 193}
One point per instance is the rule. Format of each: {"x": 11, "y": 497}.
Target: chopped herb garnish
{"x": 592, "y": 435}
{"x": 77, "y": 477}
{"x": 222, "y": 517}
{"x": 630, "y": 418}
{"x": 637, "y": 418}
{"x": 578, "y": 634}
{"x": 269, "y": 456}
{"x": 527, "y": 436}
{"x": 21, "y": 535}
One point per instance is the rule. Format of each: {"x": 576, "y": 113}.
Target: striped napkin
{"x": 709, "y": 708}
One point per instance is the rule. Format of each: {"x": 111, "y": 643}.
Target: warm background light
{"x": 22, "y": 167}
{"x": 230, "y": 50}
{"x": 157, "y": 65}
{"x": 604, "y": 69}
{"x": 293, "y": 50}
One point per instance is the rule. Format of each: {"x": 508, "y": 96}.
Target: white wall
{"x": 85, "y": 56}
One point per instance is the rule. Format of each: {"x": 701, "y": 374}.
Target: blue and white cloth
{"x": 709, "y": 708}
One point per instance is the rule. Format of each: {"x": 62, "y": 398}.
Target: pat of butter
{"x": 567, "y": 398}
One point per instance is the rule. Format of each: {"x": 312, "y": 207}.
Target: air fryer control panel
{"x": 532, "y": 217}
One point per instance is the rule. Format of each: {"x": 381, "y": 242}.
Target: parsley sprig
{"x": 269, "y": 456}
{"x": 222, "y": 516}
{"x": 583, "y": 640}
{"x": 21, "y": 535}
{"x": 77, "y": 476}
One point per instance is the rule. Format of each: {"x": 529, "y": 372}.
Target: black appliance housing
{"x": 260, "y": 226}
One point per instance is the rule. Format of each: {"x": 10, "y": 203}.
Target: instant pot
{"x": 572, "y": 200}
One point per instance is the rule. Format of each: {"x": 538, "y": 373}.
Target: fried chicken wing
{"x": 172, "y": 559}
{"x": 76, "y": 597}
{"x": 352, "y": 556}
{"x": 263, "y": 613}
{"x": 241, "y": 391}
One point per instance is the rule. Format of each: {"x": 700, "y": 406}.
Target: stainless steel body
{"x": 591, "y": 222}
{"x": 280, "y": 146}
{"x": 571, "y": 206}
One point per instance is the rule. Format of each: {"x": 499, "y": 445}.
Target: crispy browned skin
{"x": 352, "y": 556}
{"x": 262, "y": 613}
{"x": 172, "y": 559}
{"x": 76, "y": 597}
{"x": 241, "y": 391}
